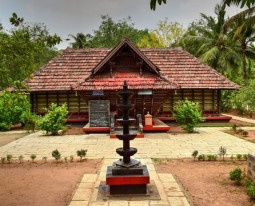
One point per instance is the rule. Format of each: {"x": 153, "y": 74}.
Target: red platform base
{"x": 113, "y": 136}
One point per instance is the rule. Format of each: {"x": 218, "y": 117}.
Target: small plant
{"x": 81, "y": 153}
{"x": 29, "y": 120}
{"x": 194, "y": 154}
{"x": 188, "y": 115}
{"x": 222, "y": 152}
{"x": 239, "y": 131}
{"x": 201, "y": 157}
{"x": 239, "y": 156}
{"x": 9, "y": 158}
{"x": 71, "y": 158}
{"x": 234, "y": 127}
{"x": 245, "y": 156}
{"x": 2, "y": 160}
{"x": 33, "y": 156}
{"x": 21, "y": 159}
{"x": 65, "y": 159}
{"x": 56, "y": 154}
{"x": 236, "y": 175}
{"x": 211, "y": 157}
{"x": 232, "y": 158}
{"x": 214, "y": 157}
{"x": 45, "y": 159}
{"x": 245, "y": 133}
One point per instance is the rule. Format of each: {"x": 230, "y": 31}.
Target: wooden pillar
{"x": 213, "y": 100}
{"x": 36, "y": 100}
{"x": 57, "y": 99}
{"x": 47, "y": 100}
{"x": 79, "y": 105}
{"x": 219, "y": 100}
{"x": 152, "y": 101}
{"x": 192, "y": 95}
{"x": 32, "y": 102}
{"x": 182, "y": 94}
{"x": 68, "y": 101}
{"x": 203, "y": 100}
{"x": 172, "y": 104}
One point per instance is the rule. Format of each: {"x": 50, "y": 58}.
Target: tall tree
{"x": 165, "y": 35}
{"x": 21, "y": 50}
{"x": 80, "y": 40}
{"x": 243, "y": 3}
{"x": 110, "y": 33}
{"x": 243, "y": 29}
{"x": 214, "y": 47}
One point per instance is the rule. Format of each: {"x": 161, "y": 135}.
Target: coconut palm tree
{"x": 242, "y": 27}
{"x": 243, "y": 3}
{"x": 80, "y": 40}
{"x": 215, "y": 47}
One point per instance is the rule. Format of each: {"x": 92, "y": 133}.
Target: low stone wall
{"x": 251, "y": 166}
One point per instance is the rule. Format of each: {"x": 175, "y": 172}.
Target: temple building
{"x": 158, "y": 78}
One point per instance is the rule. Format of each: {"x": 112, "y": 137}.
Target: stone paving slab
{"x": 169, "y": 190}
{"x": 154, "y": 145}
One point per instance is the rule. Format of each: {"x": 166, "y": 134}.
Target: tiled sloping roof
{"x": 186, "y": 70}
{"x": 73, "y": 67}
{"x": 134, "y": 80}
{"x": 66, "y": 69}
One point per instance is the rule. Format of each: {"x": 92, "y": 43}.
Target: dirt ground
{"x": 249, "y": 137}
{"x": 7, "y": 138}
{"x": 234, "y": 112}
{"x": 207, "y": 183}
{"x": 42, "y": 183}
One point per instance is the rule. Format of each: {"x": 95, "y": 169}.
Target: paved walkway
{"x": 241, "y": 118}
{"x": 170, "y": 193}
{"x": 154, "y": 145}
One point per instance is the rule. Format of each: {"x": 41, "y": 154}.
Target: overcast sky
{"x": 72, "y": 16}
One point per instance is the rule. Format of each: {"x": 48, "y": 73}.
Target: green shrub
{"x": 9, "y": 158}
{"x": 12, "y": 105}
{"x": 234, "y": 127}
{"x": 222, "y": 151}
{"x": 226, "y": 104}
{"x": 2, "y": 160}
{"x": 194, "y": 154}
{"x": 56, "y": 154}
{"x": 21, "y": 159}
{"x": 239, "y": 156}
{"x": 188, "y": 115}
{"x": 32, "y": 156}
{"x": 201, "y": 157}
{"x": 236, "y": 175}
{"x": 245, "y": 133}
{"x": 251, "y": 191}
{"x": 81, "y": 153}
{"x": 211, "y": 157}
{"x": 71, "y": 158}
{"x": 54, "y": 119}
{"x": 29, "y": 120}
{"x": 245, "y": 156}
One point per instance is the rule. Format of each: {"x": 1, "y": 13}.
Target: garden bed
{"x": 250, "y": 137}
{"x": 42, "y": 183}
{"x": 207, "y": 183}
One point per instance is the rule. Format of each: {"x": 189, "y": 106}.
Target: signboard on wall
{"x": 99, "y": 113}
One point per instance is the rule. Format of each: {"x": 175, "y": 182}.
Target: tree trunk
{"x": 244, "y": 62}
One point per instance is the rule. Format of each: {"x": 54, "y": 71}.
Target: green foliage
{"x": 32, "y": 156}
{"x": 54, "y": 119}
{"x": 194, "y": 154}
{"x": 236, "y": 175}
{"x": 165, "y": 35}
{"x": 23, "y": 49}
{"x": 211, "y": 157}
{"x": 29, "y": 120}
{"x": 226, "y": 103}
{"x": 153, "y": 3}
{"x": 56, "y": 154}
{"x": 21, "y": 158}
{"x": 245, "y": 133}
{"x": 251, "y": 190}
{"x": 3, "y": 160}
{"x": 239, "y": 156}
{"x": 109, "y": 34}
{"x": 81, "y": 153}
{"x": 201, "y": 157}
{"x": 9, "y": 157}
{"x": 242, "y": 3}
{"x": 222, "y": 151}
{"x": 187, "y": 114}
{"x": 12, "y": 105}
{"x": 234, "y": 127}
{"x": 245, "y": 156}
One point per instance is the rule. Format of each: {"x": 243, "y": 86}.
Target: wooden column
{"x": 182, "y": 95}
{"x": 57, "y": 99}
{"x": 219, "y": 100}
{"x": 47, "y": 100}
{"x": 32, "y": 102}
{"x": 152, "y": 101}
{"x": 213, "y": 100}
{"x": 79, "y": 105}
{"x": 192, "y": 95}
{"x": 203, "y": 100}
{"x": 172, "y": 103}
{"x": 68, "y": 101}
{"x": 36, "y": 100}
